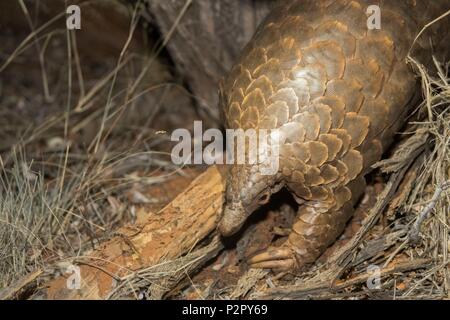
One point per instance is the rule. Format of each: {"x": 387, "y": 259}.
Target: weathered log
{"x": 165, "y": 236}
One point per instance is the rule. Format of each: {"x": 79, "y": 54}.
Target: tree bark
{"x": 165, "y": 236}
{"x": 206, "y": 39}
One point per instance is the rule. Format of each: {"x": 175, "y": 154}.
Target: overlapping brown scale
{"x": 329, "y": 173}
{"x": 293, "y": 132}
{"x": 337, "y": 108}
{"x": 338, "y": 32}
{"x": 234, "y": 112}
{"x": 312, "y": 216}
{"x": 348, "y": 90}
{"x": 250, "y": 118}
{"x": 320, "y": 193}
{"x": 311, "y": 123}
{"x": 231, "y": 79}
{"x": 303, "y": 7}
{"x": 324, "y": 113}
{"x": 315, "y": 76}
{"x": 319, "y": 153}
{"x": 369, "y": 75}
{"x": 342, "y": 195}
{"x": 313, "y": 177}
{"x": 351, "y": 13}
{"x": 243, "y": 79}
{"x": 271, "y": 69}
{"x": 342, "y": 169}
{"x": 300, "y": 190}
{"x": 287, "y": 95}
{"x": 254, "y": 99}
{"x": 278, "y": 12}
{"x": 237, "y": 95}
{"x": 301, "y": 151}
{"x": 330, "y": 201}
{"x": 269, "y": 34}
{"x": 319, "y": 206}
{"x": 286, "y": 162}
{"x": 301, "y": 89}
{"x": 310, "y": 230}
{"x": 306, "y": 230}
{"x": 302, "y": 247}
{"x": 340, "y": 166}
{"x": 333, "y": 143}
{"x": 298, "y": 176}
{"x": 357, "y": 186}
{"x": 295, "y": 27}
{"x": 287, "y": 151}
{"x": 280, "y": 111}
{"x": 268, "y": 122}
{"x": 378, "y": 111}
{"x": 399, "y": 90}
{"x": 299, "y": 165}
{"x": 328, "y": 54}
{"x": 357, "y": 127}
{"x": 378, "y": 47}
{"x": 263, "y": 84}
{"x": 287, "y": 52}
{"x": 346, "y": 139}
{"x": 309, "y": 249}
{"x": 372, "y": 151}
{"x": 405, "y": 7}
{"x": 234, "y": 124}
{"x": 354, "y": 162}
{"x": 285, "y": 171}
{"x": 397, "y": 27}
{"x": 256, "y": 57}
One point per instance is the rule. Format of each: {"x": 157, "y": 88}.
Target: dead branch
{"x": 164, "y": 237}
{"x": 413, "y": 234}
{"x": 302, "y": 291}
{"x": 13, "y": 291}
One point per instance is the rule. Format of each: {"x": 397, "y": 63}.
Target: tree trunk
{"x": 204, "y": 38}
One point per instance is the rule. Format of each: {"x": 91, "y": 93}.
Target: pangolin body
{"x": 339, "y": 92}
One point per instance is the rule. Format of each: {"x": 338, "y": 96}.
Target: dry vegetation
{"x": 83, "y": 151}
{"x": 80, "y": 128}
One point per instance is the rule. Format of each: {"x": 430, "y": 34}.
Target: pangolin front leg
{"x": 317, "y": 225}
{"x": 337, "y": 92}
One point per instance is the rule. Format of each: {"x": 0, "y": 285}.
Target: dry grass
{"x": 428, "y": 202}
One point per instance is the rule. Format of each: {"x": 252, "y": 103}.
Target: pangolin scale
{"x": 339, "y": 92}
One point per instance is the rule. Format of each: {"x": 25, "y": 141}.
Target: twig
{"x": 13, "y": 290}
{"x": 296, "y": 292}
{"x": 413, "y": 234}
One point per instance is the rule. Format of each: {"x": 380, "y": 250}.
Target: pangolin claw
{"x": 278, "y": 259}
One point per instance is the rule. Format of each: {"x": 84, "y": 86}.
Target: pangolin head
{"x": 247, "y": 189}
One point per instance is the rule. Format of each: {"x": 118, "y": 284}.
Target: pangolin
{"x": 338, "y": 90}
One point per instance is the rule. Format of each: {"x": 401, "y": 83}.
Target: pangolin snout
{"x": 233, "y": 218}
